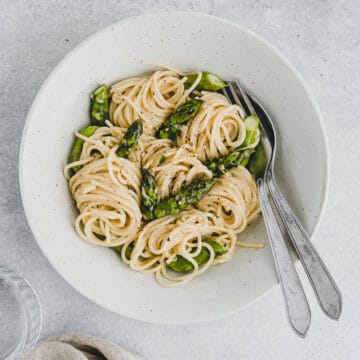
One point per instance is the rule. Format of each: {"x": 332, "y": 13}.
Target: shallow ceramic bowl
{"x": 186, "y": 41}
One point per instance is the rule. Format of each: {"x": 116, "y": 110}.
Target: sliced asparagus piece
{"x": 130, "y": 139}
{"x": 221, "y": 165}
{"x": 149, "y": 194}
{"x": 208, "y": 82}
{"x": 258, "y": 162}
{"x": 99, "y": 105}
{"x": 189, "y": 195}
{"x": 218, "y": 248}
{"x": 78, "y": 145}
{"x": 182, "y": 115}
{"x": 182, "y": 265}
{"x": 128, "y": 250}
{"x": 252, "y": 130}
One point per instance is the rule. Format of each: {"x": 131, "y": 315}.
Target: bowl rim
{"x": 160, "y": 14}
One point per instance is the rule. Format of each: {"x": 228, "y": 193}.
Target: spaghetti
{"x": 107, "y": 191}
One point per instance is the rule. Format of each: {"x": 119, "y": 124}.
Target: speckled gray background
{"x": 321, "y": 38}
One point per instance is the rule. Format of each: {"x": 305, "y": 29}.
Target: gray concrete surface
{"x": 321, "y": 38}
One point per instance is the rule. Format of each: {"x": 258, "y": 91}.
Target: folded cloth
{"x": 79, "y": 347}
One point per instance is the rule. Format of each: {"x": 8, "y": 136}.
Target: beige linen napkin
{"x": 79, "y": 347}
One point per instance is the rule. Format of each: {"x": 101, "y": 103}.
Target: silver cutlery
{"x": 325, "y": 289}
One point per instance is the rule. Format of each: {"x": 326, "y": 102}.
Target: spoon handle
{"x": 295, "y": 300}
{"x": 326, "y": 291}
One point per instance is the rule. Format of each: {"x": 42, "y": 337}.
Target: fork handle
{"x": 297, "y": 307}
{"x": 326, "y": 291}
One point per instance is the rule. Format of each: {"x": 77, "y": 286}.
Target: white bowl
{"x": 186, "y": 41}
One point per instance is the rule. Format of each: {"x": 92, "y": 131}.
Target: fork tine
{"x": 237, "y": 100}
{"x": 233, "y": 98}
{"x": 245, "y": 97}
{"x": 224, "y": 92}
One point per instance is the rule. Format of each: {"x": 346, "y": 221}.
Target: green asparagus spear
{"x": 182, "y": 265}
{"x": 182, "y": 115}
{"x": 149, "y": 194}
{"x": 208, "y": 82}
{"x": 189, "y": 195}
{"x": 99, "y": 105}
{"x": 78, "y": 145}
{"x": 252, "y": 130}
{"x": 227, "y": 162}
{"x": 258, "y": 162}
{"x": 130, "y": 139}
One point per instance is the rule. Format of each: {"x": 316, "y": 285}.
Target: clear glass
{"x": 20, "y": 315}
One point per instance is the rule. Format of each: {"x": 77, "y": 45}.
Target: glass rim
{"x": 31, "y": 311}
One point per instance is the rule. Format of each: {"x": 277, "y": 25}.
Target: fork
{"x": 324, "y": 286}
